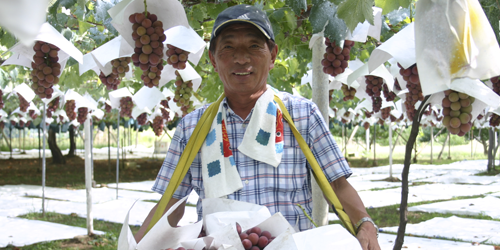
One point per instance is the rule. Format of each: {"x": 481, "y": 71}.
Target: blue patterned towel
{"x": 263, "y": 141}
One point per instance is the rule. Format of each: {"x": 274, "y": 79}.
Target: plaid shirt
{"x": 279, "y": 189}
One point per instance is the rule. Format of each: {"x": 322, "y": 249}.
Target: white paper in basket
{"x": 252, "y": 214}
{"x": 453, "y": 39}
{"x": 161, "y": 236}
{"x": 326, "y": 237}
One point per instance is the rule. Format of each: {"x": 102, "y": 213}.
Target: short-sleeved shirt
{"x": 279, "y": 189}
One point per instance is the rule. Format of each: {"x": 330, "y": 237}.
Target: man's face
{"x": 242, "y": 59}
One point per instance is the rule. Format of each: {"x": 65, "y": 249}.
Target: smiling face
{"x": 243, "y": 60}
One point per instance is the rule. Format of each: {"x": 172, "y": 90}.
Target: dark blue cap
{"x": 243, "y": 14}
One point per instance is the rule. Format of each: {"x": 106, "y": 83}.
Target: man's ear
{"x": 212, "y": 60}
{"x": 274, "y": 53}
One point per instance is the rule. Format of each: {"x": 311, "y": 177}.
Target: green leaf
{"x": 101, "y": 10}
{"x": 96, "y": 35}
{"x": 492, "y": 11}
{"x": 214, "y": 9}
{"x": 84, "y": 26}
{"x": 62, "y": 18}
{"x": 335, "y": 30}
{"x": 67, "y": 3}
{"x": 291, "y": 20}
{"x": 110, "y": 27}
{"x": 67, "y": 33}
{"x": 297, "y": 5}
{"x": 80, "y": 12}
{"x": 398, "y": 16}
{"x": 53, "y": 8}
{"x": 390, "y": 5}
{"x": 356, "y": 11}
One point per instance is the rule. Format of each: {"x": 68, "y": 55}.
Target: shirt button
{"x": 246, "y": 182}
{"x": 244, "y": 126}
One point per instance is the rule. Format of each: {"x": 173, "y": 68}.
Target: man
{"x": 242, "y": 51}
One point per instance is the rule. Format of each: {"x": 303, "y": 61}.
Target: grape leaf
{"x": 101, "y": 10}
{"x": 80, "y": 13}
{"x": 336, "y": 29}
{"x": 96, "y": 35}
{"x": 492, "y": 10}
{"x": 398, "y": 16}
{"x": 214, "y": 9}
{"x": 297, "y": 5}
{"x": 84, "y": 26}
{"x": 356, "y": 11}
{"x": 67, "y": 3}
{"x": 61, "y": 18}
{"x": 390, "y": 5}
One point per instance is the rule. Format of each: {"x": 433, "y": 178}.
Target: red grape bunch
{"x": 32, "y": 114}
{"x": 119, "y": 69}
{"x": 82, "y": 114}
{"x": 164, "y": 103}
{"x": 21, "y": 123}
{"x": 142, "y": 119}
{"x": 393, "y": 118}
{"x": 52, "y": 106}
{"x": 349, "y": 92}
{"x": 2, "y": 125}
{"x": 495, "y": 119}
{"x": 389, "y": 95}
{"x": 374, "y": 89}
{"x": 410, "y": 75}
{"x": 46, "y": 69}
{"x": 126, "y": 106}
{"x": 366, "y": 125}
{"x": 457, "y": 108}
{"x": 177, "y": 57}
{"x": 107, "y": 108}
{"x": 254, "y": 238}
{"x": 158, "y": 125}
{"x": 165, "y": 114}
{"x": 396, "y": 85}
{"x": 385, "y": 112}
{"x": 336, "y": 57}
{"x": 183, "y": 92}
{"x": 148, "y": 53}
{"x": 23, "y": 104}
{"x": 1, "y": 99}
{"x": 69, "y": 107}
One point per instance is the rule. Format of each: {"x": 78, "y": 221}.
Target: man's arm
{"x": 173, "y": 218}
{"x": 353, "y": 206}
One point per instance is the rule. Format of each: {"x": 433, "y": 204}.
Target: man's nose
{"x": 241, "y": 56}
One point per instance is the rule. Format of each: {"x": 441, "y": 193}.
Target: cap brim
{"x": 226, "y": 23}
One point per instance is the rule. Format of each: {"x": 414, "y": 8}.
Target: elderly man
{"x": 250, "y": 153}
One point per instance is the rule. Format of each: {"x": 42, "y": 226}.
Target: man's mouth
{"x": 242, "y": 73}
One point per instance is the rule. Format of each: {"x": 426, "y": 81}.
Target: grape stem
{"x": 307, "y": 215}
{"x": 145, "y": 9}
